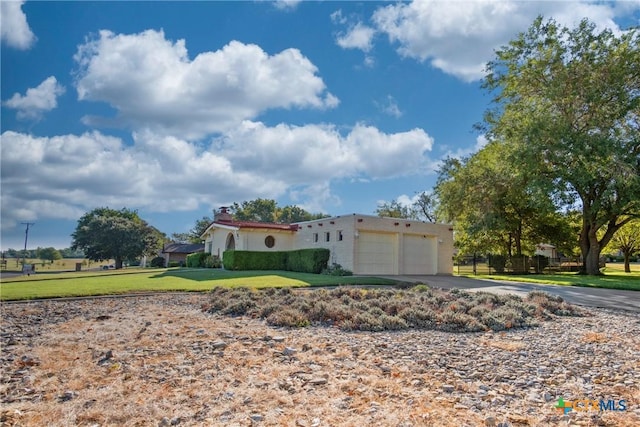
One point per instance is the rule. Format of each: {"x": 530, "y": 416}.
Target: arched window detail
{"x": 231, "y": 242}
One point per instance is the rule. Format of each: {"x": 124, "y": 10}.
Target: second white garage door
{"x": 376, "y": 253}
{"x": 419, "y": 254}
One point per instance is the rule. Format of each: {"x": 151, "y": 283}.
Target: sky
{"x": 175, "y": 109}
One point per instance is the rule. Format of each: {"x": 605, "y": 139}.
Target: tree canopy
{"x": 121, "y": 234}
{"x": 193, "y": 235}
{"x": 423, "y": 208}
{"x": 567, "y": 102}
{"x": 267, "y": 210}
{"x": 49, "y": 254}
{"x": 627, "y": 241}
{"x": 495, "y": 207}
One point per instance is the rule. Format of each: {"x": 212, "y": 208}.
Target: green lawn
{"x": 144, "y": 280}
{"x": 614, "y": 278}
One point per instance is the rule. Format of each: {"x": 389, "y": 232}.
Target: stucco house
{"x": 364, "y": 244}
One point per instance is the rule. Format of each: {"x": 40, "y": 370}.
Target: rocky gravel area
{"x": 160, "y": 361}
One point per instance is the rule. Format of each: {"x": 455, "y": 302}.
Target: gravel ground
{"x": 160, "y": 361}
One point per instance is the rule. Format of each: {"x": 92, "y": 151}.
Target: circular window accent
{"x": 269, "y": 241}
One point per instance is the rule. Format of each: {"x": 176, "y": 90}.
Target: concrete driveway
{"x": 590, "y": 297}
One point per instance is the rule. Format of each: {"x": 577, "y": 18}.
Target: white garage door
{"x": 376, "y": 253}
{"x": 419, "y": 254}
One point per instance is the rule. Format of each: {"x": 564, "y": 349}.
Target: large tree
{"x": 627, "y": 241}
{"x": 494, "y": 206}
{"x": 423, "y": 208}
{"x": 49, "y": 254}
{"x": 568, "y": 100}
{"x": 121, "y": 234}
{"x": 267, "y": 210}
{"x": 193, "y": 235}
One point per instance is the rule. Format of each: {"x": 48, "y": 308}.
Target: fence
{"x": 497, "y": 264}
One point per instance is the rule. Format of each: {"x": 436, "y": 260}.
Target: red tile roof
{"x": 265, "y": 225}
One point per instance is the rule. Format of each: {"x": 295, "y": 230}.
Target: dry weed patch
{"x": 357, "y": 309}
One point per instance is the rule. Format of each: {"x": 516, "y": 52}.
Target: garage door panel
{"x": 419, "y": 254}
{"x": 376, "y": 253}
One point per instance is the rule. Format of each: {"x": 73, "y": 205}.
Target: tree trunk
{"x": 627, "y": 267}
{"x": 118, "y": 263}
{"x": 590, "y": 248}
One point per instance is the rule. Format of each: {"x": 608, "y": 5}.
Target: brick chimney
{"x": 223, "y": 215}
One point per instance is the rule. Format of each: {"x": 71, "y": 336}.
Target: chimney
{"x": 223, "y": 215}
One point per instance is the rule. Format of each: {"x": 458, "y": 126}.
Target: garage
{"x": 419, "y": 254}
{"x": 376, "y": 253}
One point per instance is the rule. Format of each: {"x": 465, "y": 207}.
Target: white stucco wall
{"x": 369, "y": 245}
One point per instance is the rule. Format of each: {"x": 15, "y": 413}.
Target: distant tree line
{"x": 49, "y": 253}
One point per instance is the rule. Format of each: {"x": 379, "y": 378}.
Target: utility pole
{"x": 26, "y": 236}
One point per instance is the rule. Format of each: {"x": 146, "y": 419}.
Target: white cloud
{"x": 14, "y": 28}
{"x": 390, "y": 107}
{"x": 154, "y": 85}
{"x": 459, "y": 37}
{"x": 286, "y": 4}
{"x": 462, "y": 152}
{"x": 359, "y": 36}
{"x": 63, "y": 176}
{"x": 37, "y": 100}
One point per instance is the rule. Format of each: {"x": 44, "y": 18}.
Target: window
{"x": 327, "y": 236}
{"x": 269, "y": 241}
{"x": 339, "y": 238}
{"x": 315, "y": 237}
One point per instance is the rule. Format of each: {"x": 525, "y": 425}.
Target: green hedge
{"x": 254, "y": 260}
{"x": 197, "y": 260}
{"x": 303, "y": 260}
{"x": 308, "y": 260}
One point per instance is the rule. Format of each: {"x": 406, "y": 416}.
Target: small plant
{"x": 157, "y": 262}
{"x": 289, "y": 317}
{"x": 336, "y": 270}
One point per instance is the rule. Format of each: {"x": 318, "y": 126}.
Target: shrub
{"x": 497, "y": 262}
{"x": 308, "y": 260}
{"x": 540, "y": 262}
{"x": 197, "y": 260}
{"x": 379, "y": 310}
{"x": 175, "y": 264}
{"x": 288, "y": 317}
{"x": 520, "y": 263}
{"x": 336, "y": 270}
{"x": 157, "y": 262}
{"x": 212, "y": 261}
{"x": 254, "y": 260}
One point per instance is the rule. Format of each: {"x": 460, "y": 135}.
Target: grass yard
{"x": 144, "y": 280}
{"x": 614, "y": 278}
{"x": 65, "y": 264}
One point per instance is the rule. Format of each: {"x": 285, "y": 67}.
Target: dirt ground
{"x": 161, "y": 361}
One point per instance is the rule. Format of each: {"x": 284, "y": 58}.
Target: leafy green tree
{"x": 394, "y": 209}
{"x": 267, "y": 210}
{"x": 422, "y": 209}
{"x": 627, "y": 241}
{"x": 193, "y": 235}
{"x": 106, "y": 233}
{"x": 258, "y": 210}
{"x": 494, "y": 206}
{"x": 290, "y": 214}
{"x": 49, "y": 254}
{"x": 568, "y": 101}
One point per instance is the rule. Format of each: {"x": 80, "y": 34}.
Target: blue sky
{"x": 178, "y": 108}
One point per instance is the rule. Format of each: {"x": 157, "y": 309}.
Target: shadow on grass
{"x": 273, "y": 277}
